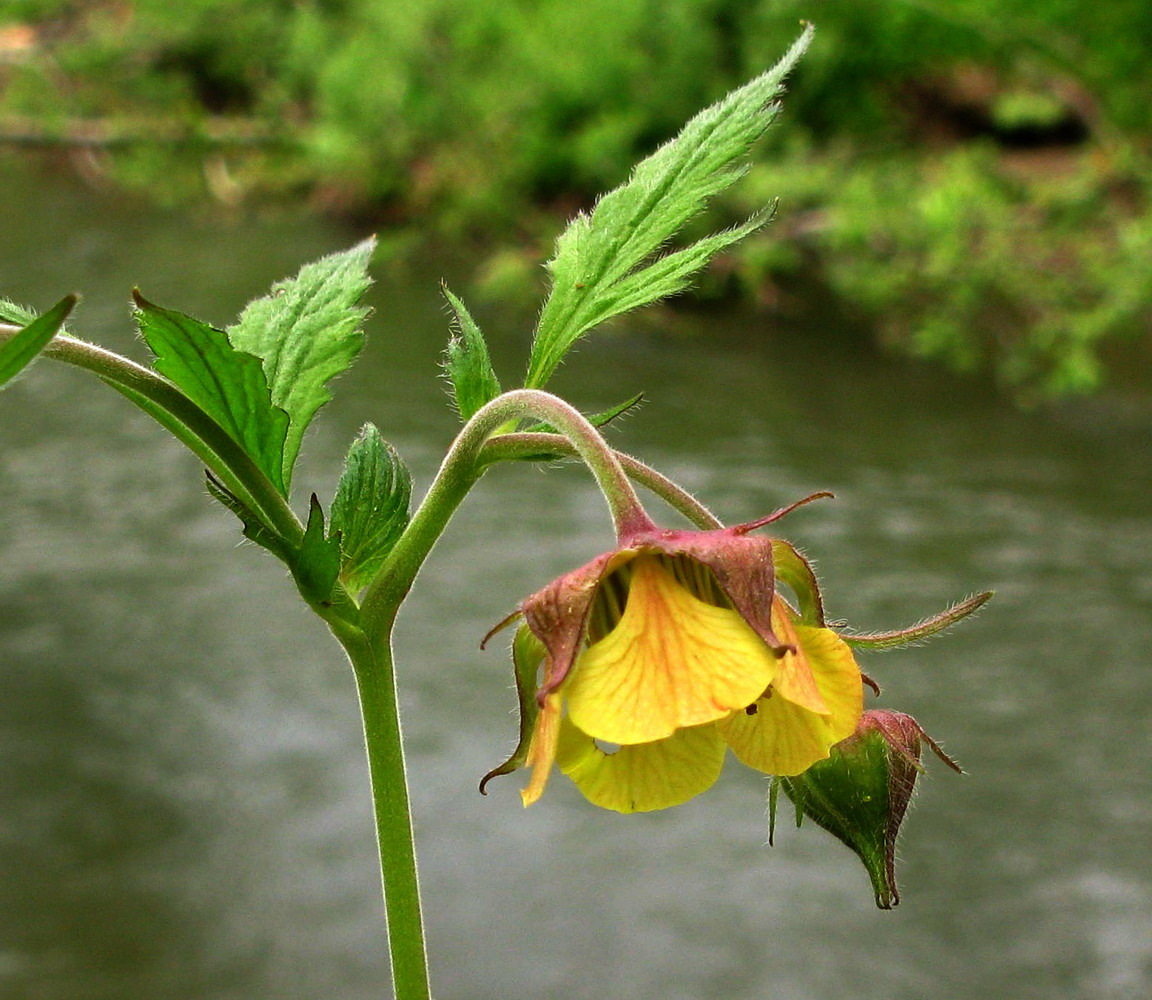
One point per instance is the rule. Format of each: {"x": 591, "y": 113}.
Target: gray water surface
{"x": 183, "y": 808}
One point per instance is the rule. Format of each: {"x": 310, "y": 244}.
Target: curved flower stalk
{"x": 638, "y": 671}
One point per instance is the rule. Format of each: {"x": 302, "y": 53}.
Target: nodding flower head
{"x": 639, "y": 670}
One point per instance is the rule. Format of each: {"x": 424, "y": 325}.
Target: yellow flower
{"x": 661, "y": 654}
{"x": 637, "y": 672}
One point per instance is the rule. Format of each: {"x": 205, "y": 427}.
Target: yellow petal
{"x": 671, "y": 661}
{"x": 785, "y": 738}
{"x": 794, "y": 678}
{"x": 644, "y": 776}
{"x": 542, "y": 749}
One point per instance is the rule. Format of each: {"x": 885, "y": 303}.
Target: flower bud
{"x": 861, "y": 792}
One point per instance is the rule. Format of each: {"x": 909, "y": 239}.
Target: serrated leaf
{"x": 24, "y": 347}
{"x": 466, "y": 362}
{"x": 228, "y": 384}
{"x": 316, "y": 564}
{"x": 670, "y": 273}
{"x": 307, "y": 331}
{"x": 370, "y": 510}
{"x": 599, "y": 270}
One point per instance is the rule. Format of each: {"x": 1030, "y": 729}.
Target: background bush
{"x": 972, "y": 174}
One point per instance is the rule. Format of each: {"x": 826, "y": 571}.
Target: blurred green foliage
{"x": 972, "y": 174}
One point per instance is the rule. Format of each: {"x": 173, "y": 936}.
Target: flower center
{"x": 612, "y": 593}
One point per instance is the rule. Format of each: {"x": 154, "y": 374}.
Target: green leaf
{"x": 599, "y": 269}
{"x": 370, "y": 510}
{"x": 24, "y": 347}
{"x": 466, "y": 362}
{"x": 671, "y": 273}
{"x": 12, "y": 312}
{"x": 307, "y": 331}
{"x": 228, "y": 384}
{"x": 316, "y": 564}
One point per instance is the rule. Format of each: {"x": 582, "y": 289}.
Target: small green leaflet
{"x": 370, "y": 509}
{"x": 24, "y": 347}
{"x": 601, "y": 419}
{"x": 316, "y": 564}
{"x": 604, "y": 263}
{"x": 227, "y": 384}
{"x": 17, "y": 315}
{"x": 307, "y": 331}
{"x": 466, "y": 362}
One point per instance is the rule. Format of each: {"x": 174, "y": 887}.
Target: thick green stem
{"x": 369, "y": 647}
{"x": 376, "y": 684}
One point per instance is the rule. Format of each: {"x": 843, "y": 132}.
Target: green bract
{"x": 861, "y": 792}
{"x": 466, "y": 362}
{"x": 370, "y": 509}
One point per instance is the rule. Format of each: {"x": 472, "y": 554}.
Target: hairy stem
{"x": 376, "y": 685}
{"x": 507, "y": 447}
